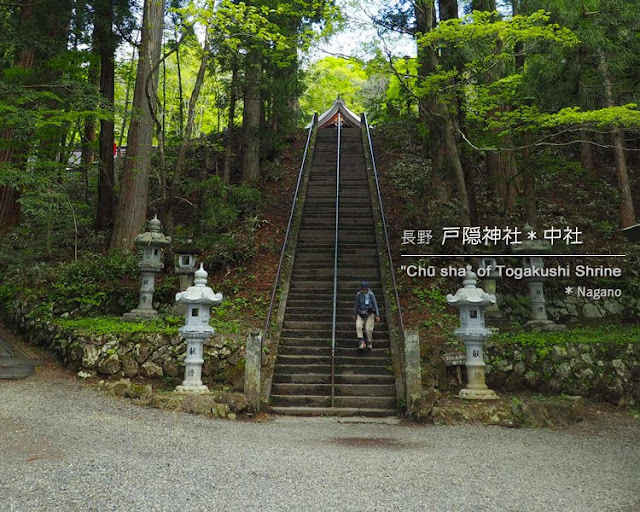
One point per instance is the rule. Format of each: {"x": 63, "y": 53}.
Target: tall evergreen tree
{"x": 133, "y": 197}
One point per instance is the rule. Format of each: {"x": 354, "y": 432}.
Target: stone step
{"x": 342, "y": 342}
{"x": 325, "y": 369}
{"x": 344, "y": 239}
{"x": 346, "y": 256}
{"x": 343, "y": 331}
{"x": 343, "y": 230}
{"x": 344, "y": 285}
{"x": 315, "y": 325}
{"x": 312, "y": 378}
{"x": 323, "y": 301}
{"x": 359, "y": 402}
{"x": 364, "y": 382}
{"x": 11, "y": 368}
{"x": 366, "y": 268}
{"x": 308, "y": 274}
{"x": 379, "y": 390}
{"x": 341, "y": 351}
{"x": 359, "y": 360}
{"x": 334, "y": 411}
{"x": 324, "y": 316}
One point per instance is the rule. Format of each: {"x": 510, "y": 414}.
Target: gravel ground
{"x": 66, "y": 446}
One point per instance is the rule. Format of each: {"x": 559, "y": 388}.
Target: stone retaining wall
{"x": 571, "y": 309}
{"x": 603, "y": 371}
{"x": 148, "y": 355}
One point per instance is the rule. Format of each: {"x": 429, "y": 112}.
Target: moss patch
{"x": 115, "y": 325}
{"x": 606, "y": 334}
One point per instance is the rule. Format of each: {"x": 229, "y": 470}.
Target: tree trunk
{"x": 501, "y": 165}
{"x": 10, "y": 211}
{"x": 182, "y": 152}
{"x": 9, "y": 208}
{"x": 180, "y": 90}
{"x": 586, "y": 154}
{"x": 107, "y": 43}
{"x": 251, "y": 117}
{"x": 529, "y": 183}
{"x": 503, "y": 175}
{"x": 424, "y": 12}
{"x": 586, "y": 149}
{"x": 627, "y": 212}
{"x": 123, "y": 126}
{"x": 445, "y": 157}
{"x": 483, "y": 5}
{"x": 88, "y": 156}
{"x": 285, "y": 108}
{"x": 132, "y": 202}
{"x": 48, "y": 27}
{"x": 228, "y": 152}
{"x": 448, "y": 9}
{"x": 529, "y": 166}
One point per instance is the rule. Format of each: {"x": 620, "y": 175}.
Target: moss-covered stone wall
{"x": 606, "y": 371}
{"x": 151, "y": 355}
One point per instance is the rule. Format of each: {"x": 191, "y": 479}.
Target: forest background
{"x": 113, "y": 110}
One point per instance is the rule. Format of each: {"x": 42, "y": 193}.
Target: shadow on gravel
{"x": 374, "y": 442}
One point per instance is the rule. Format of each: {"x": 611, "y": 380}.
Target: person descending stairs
{"x": 363, "y": 382}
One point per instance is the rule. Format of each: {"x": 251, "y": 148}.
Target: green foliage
{"x": 223, "y": 205}
{"x": 329, "y": 78}
{"x": 431, "y": 298}
{"x": 88, "y": 287}
{"x": 227, "y": 220}
{"x": 434, "y": 301}
{"x": 229, "y": 316}
{"x": 611, "y": 334}
{"x": 98, "y": 326}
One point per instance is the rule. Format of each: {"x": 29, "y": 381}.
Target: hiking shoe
{"x": 369, "y": 345}
{"x": 361, "y": 345}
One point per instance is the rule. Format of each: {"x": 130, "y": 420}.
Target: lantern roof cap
{"x": 470, "y": 294}
{"x": 199, "y": 293}
{"x": 154, "y": 236}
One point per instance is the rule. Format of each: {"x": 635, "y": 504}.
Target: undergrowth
{"x": 609, "y": 334}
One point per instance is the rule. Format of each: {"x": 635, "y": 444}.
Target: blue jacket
{"x": 366, "y": 303}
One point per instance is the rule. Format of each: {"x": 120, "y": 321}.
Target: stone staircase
{"x": 15, "y": 362}
{"x": 364, "y": 384}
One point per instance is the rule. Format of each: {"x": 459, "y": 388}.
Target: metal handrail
{"x": 384, "y": 228}
{"x": 267, "y": 327}
{"x": 335, "y": 268}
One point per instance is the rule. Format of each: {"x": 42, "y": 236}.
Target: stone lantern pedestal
{"x": 472, "y": 301}
{"x": 534, "y": 249}
{"x": 198, "y": 300}
{"x": 153, "y": 243}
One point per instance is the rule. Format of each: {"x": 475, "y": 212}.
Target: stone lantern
{"x": 489, "y": 282}
{"x": 472, "y": 302}
{"x": 533, "y": 251}
{"x": 153, "y": 243}
{"x": 186, "y": 257}
{"x": 198, "y": 300}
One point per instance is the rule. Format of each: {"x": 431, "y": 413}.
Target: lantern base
{"x": 543, "y": 325}
{"x": 140, "y": 315}
{"x": 186, "y": 390}
{"x": 478, "y": 394}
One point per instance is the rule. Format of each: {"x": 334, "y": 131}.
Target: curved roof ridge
{"x": 338, "y": 105}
